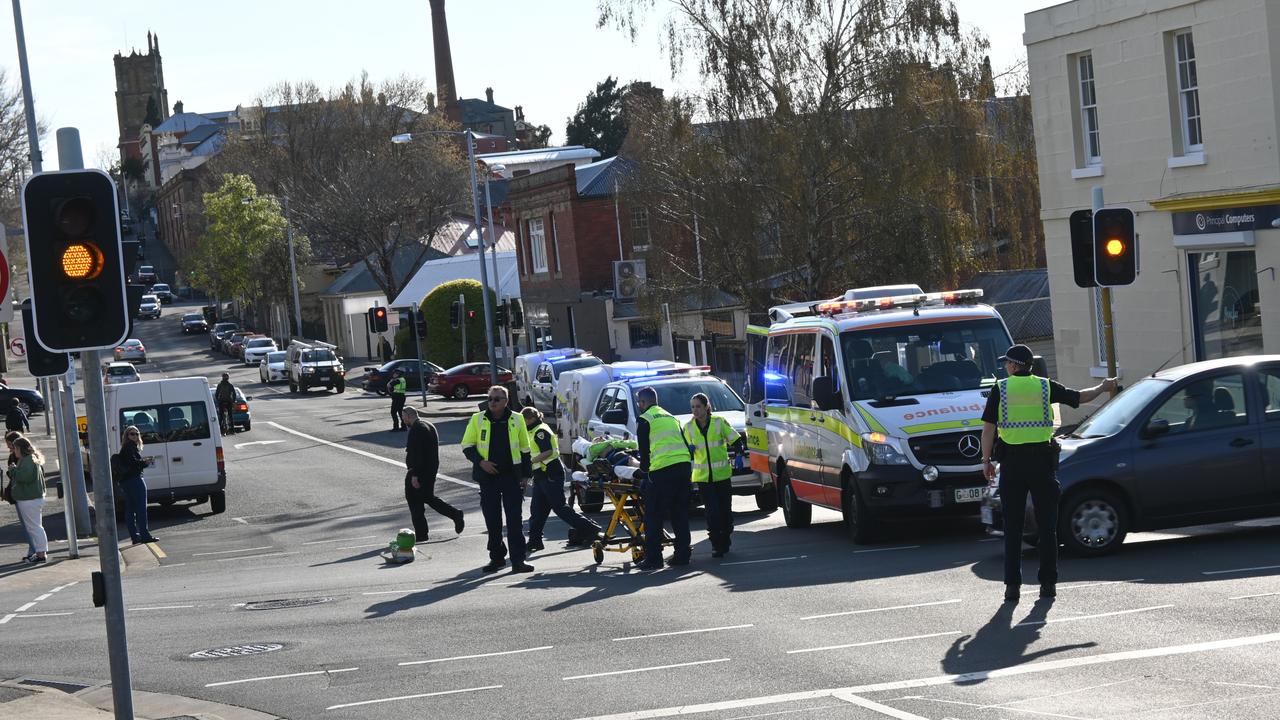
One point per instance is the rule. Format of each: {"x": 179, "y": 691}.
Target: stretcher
{"x": 625, "y": 532}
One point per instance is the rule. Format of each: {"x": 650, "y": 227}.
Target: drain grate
{"x": 236, "y": 651}
{"x": 287, "y": 603}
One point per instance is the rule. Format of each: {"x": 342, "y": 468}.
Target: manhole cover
{"x": 287, "y": 603}
{"x": 236, "y": 651}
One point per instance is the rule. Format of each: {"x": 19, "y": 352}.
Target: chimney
{"x": 488, "y": 95}
{"x": 519, "y": 113}
{"x": 446, "y": 93}
{"x": 177, "y": 108}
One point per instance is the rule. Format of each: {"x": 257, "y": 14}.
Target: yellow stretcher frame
{"x": 628, "y": 512}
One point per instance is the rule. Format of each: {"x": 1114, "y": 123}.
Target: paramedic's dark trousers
{"x": 501, "y": 494}
{"x": 666, "y": 498}
{"x": 548, "y": 497}
{"x": 717, "y": 500}
{"x": 1030, "y": 469}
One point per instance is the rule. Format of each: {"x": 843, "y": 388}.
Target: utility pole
{"x": 1108, "y": 330}
{"x": 484, "y": 273}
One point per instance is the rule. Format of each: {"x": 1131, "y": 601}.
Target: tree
{"x": 443, "y": 343}
{"x": 599, "y": 122}
{"x": 358, "y": 195}
{"x": 540, "y": 137}
{"x": 15, "y": 151}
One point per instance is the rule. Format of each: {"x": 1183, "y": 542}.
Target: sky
{"x": 544, "y": 55}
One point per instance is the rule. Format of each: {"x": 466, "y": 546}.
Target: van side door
{"x": 147, "y": 417}
{"x": 831, "y": 424}
{"x": 189, "y": 444}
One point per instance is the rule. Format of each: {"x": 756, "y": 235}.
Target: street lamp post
{"x": 493, "y": 240}
{"x": 293, "y": 263}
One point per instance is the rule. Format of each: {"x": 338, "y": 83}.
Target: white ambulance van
{"x": 871, "y": 403}
{"x": 525, "y": 367}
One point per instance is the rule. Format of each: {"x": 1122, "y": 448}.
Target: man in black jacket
{"x": 15, "y": 419}
{"x": 422, "y": 458}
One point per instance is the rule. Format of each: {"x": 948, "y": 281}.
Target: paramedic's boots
{"x": 534, "y": 544}
{"x": 522, "y": 568}
{"x": 459, "y": 523}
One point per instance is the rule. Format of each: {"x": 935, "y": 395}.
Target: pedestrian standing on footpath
{"x": 14, "y": 419}
{"x": 127, "y": 467}
{"x": 1020, "y": 412}
{"x": 496, "y": 442}
{"x": 27, "y": 488}
{"x": 395, "y": 388}
{"x": 710, "y": 436}
{"x": 548, "y": 487}
{"x": 422, "y": 458}
{"x": 225, "y": 397}
{"x": 9, "y": 439}
{"x": 666, "y": 462}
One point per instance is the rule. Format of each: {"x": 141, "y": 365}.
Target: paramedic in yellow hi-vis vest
{"x": 665, "y": 458}
{"x": 497, "y": 444}
{"x": 1020, "y": 411}
{"x": 711, "y": 436}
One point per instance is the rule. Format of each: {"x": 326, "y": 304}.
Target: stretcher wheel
{"x": 597, "y": 551}
{"x": 637, "y": 554}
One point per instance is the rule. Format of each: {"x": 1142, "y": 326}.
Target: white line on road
{"x": 937, "y": 680}
{"x": 782, "y": 712}
{"x": 1256, "y": 687}
{"x": 254, "y": 557}
{"x": 64, "y": 587}
{"x": 366, "y": 545}
{"x": 768, "y": 560}
{"x": 160, "y": 607}
{"x": 875, "y": 642}
{"x": 43, "y": 597}
{"x": 320, "y": 542}
{"x": 883, "y": 609}
{"x": 683, "y": 632}
{"x": 228, "y": 552}
{"x": 904, "y": 547}
{"x": 1099, "y": 584}
{"x": 1092, "y": 617}
{"x": 472, "y": 657}
{"x": 31, "y": 615}
{"x": 877, "y": 707}
{"x": 1240, "y": 570}
{"x": 647, "y": 669}
{"x": 257, "y": 442}
{"x": 371, "y": 456}
{"x": 412, "y": 697}
{"x": 7, "y": 618}
{"x": 979, "y": 706}
{"x": 26, "y": 607}
{"x": 1246, "y": 597}
{"x": 398, "y": 592}
{"x": 280, "y": 677}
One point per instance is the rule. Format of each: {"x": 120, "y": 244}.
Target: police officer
{"x": 548, "y": 487}
{"x": 497, "y": 444}
{"x": 1019, "y": 409}
{"x": 666, "y": 461}
{"x": 710, "y": 436}
{"x": 396, "y": 389}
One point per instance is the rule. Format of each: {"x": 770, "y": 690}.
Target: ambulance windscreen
{"x": 921, "y": 359}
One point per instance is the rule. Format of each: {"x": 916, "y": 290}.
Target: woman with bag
{"x": 130, "y": 465}
{"x": 27, "y": 489}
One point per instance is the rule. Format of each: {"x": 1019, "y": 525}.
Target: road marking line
{"x": 319, "y": 542}
{"x": 280, "y": 677}
{"x": 769, "y": 560}
{"x": 241, "y": 520}
{"x": 7, "y": 618}
{"x": 257, "y": 442}
{"x": 875, "y": 642}
{"x": 683, "y": 632}
{"x": 371, "y": 456}
{"x": 1239, "y": 570}
{"x": 1091, "y": 617}
{"x": 366, "y": 545}
{"x": 1202, "y": 704}
{"x": 43, "y": 597}
{"x": 252, "y": 557}
{"x": 1012, "y": 709}
{"x": 1257, "y": 687}
{"x": 1246, "y": 597}
{"x": 472, "y": 657}
{"x": 33, "y": 615}
{"x": 413, "y": 697}
{"x": 160, "y": 607}
{"x": 782, "y": 712}
{"x": 888, "y": 549}
{"x": 957, "y": 679}
{"x": 398, "y": 592}
{"x": 646, "y": 669}
{"x": 518, "y": 582}
{"x": 877, "y": 707}
{"x": 228, "y": 552}
{"x": 155, "y": 550}
{"x": 1009, "y": 705}
{"x": 26, "y": 607}
{"x": 1099, "y": 584}
{"x": 883, "y": 609}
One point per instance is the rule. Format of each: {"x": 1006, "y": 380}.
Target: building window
{"x": 538, "y": 245}
{"x": 1188, "y": 92}
{"x": 1091, "y": 139}
{"x": 640, "y": 237}
{"x": 1224, "y": 303}
{"x": 643, "y": 335}
{"x": 555, "y": 243}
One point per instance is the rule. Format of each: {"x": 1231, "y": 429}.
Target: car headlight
{"x": 883, "y": 450}
{"x": 308, "y": 371}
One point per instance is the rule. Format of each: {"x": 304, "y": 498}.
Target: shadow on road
{"x": 1002, "y": 643}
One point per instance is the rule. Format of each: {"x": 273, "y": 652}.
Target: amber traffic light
{"x": 1115, "y": 244}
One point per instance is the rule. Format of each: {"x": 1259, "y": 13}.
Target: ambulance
{"x": 870, "y": 404}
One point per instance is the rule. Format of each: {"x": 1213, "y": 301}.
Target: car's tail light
{"x": 243, "y": 407}
{"x": 222, "y": 466}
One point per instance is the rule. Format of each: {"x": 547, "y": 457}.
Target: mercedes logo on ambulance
{"x": 969, "y": 446}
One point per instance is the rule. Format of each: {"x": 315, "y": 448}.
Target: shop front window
{"x": 1224, "y": 303}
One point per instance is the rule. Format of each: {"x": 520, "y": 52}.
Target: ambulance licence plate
{"x": 964, "y": 495}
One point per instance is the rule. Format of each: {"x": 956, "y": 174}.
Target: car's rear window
{"x": 261, "y": 342}
{"x": 120, "y": 371}
{"x": 317, "y": 356}
{"x": 193, "y": 316}
{"x": 275, "y": 357}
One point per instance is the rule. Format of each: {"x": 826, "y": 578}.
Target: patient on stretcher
{"x": 618, "y": 453}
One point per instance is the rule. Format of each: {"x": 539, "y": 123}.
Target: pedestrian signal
{"x": 1115, "y": 247}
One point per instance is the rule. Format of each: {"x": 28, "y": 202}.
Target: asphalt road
{"x": 793, "y": 623}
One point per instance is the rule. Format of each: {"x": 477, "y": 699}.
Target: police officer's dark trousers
{"x": 717, "y": 500}
{"x": 397, "y": 404}
{"x": 666, "y": 498}
{"x": 502, "y": 494}
{"x": 418, "y": 498}
{"x": 548, "y": 497}
{"x": 1030, "y": 469}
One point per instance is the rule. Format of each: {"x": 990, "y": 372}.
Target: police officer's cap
{"x": 1020, "y": 354}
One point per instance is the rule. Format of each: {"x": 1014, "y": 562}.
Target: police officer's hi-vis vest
{"x": 1026, "y": 416}
{"x": 480, "y": 430}
{"x": 666, "y": 441}
{"x": 711, "y": 451}
{"x": 397, "y": 386}
{"x": 555, "y": 446}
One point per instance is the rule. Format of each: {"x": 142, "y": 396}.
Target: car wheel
{"x": 461, "y": 392}
{"x": 1093, "y": 522}
{"x": 293, "y": 387}
{"x": 795, "y": 512}
{"x": 767, "y": 499}
{"x": 26, "y": 407}
{"x": 340, "y": 387}
{"x": 858, "y": 520}
{"x": 218, "y": 502}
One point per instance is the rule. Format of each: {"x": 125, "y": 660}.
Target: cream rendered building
{"x": 1171, "y": 107}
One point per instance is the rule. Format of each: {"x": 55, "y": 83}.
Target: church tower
{"x": 139, "y": 91}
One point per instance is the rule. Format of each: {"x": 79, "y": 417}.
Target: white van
{"x": 526, "y": 365}
{"x": 180, "y": 438}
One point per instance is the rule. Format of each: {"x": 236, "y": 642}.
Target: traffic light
{"x": 455, "y": 313}
{"x": 378, "y": 319}
{"x": 500, "y": 315}
{"x": 517, "y": 314}
{"x": 1082, "y": 248}
{"x": 1115, "y": 247}
{"x": 471, "y": 314}
{"x": 41, "y": 362}
{"x": 75, "y": 260}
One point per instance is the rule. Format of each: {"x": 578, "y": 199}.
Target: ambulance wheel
{"x": 796, "y": 512}
{"x": 218, "y": 502}
{"x": 767, "y": 499}
{"x": 597, "y": 552}
{"x": 858, "y": 520}
{"x": 591, "y": 501}
{"x": 637, "y": 554}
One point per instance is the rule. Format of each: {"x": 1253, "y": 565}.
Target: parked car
{"x": 30, "y": 401}
{"x": 376, "y": 378}
{"x": 1190, "y": 445}
{"x": 194, "y": 323}
{"x": 232, "y": 338}
{"x": 219, "y": 332}
{"x": 255, "y": 348}
{"x": 132, "y": 350}
{"x": 460, "y": 381}
{"x": 147, "y": 275}
{"x": 118, "y": 373}
{"x": 162, "y": 291}
{"x": 149, "y": 308}
{"x": 271, "y": 369}
{"x": 241, "y": 419}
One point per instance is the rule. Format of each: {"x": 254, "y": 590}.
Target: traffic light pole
{"x": 462, "y": 320}
{"x": 417, "y": 351}
{"x": 1108, "y": 329}
{"x": 484, "y": 272}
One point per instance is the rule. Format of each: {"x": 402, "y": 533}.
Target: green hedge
{"x": 443, "y": 343}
